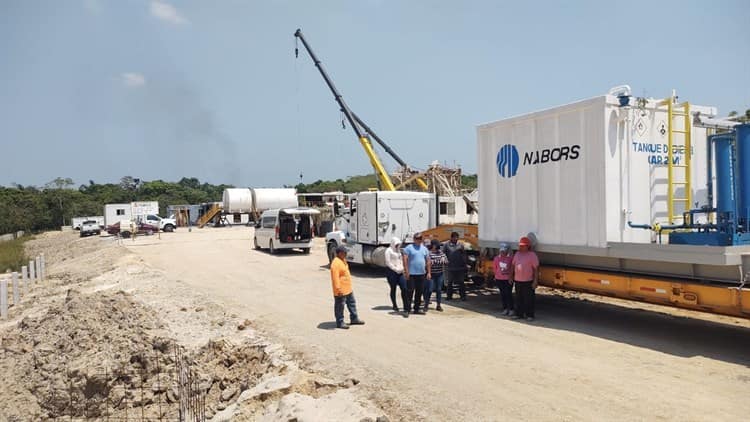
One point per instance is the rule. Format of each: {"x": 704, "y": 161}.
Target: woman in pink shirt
{"x": 502, "y": 264}
{"x": 525, "y": 276}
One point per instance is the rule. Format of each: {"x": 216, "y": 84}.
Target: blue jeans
{"x": 434, "y": 285}
{"x": 338, "y": 308}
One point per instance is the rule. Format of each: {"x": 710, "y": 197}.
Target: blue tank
{"x": 742, "y": 138}
{"x": 725, "y": 194}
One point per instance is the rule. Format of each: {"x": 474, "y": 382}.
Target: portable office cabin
{"x": 575, "y": 175}
{"x": 114, "y": 213}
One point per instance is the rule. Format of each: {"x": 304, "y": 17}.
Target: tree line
{"x": 34, "y": 209}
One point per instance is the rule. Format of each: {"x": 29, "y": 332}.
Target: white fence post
{"x": 38, "y": 263}
{"x": 16, "y": 290}
{"x": 25, "y": 279}
{"x": 43, "y": 267}
{"x": 32, "y": 272}
{"x": 4, "y": 298}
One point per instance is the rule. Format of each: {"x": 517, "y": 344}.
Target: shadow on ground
{"x": 676, "y": 335}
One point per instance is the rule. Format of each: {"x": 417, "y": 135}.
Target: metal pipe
{"x": 713, "y": 123}
{"x": 640, "y": 226}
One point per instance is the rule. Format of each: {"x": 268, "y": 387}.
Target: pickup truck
{"x": 90, "y": 227}
{"x": 164, "y": 224}
{"x": 125, "y": 228}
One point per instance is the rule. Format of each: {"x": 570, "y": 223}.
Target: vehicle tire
{"x": 125, "y": 235}
{"x": 331, "y": 251}
{"x": 255, "y": 243}
{"x": 271, "y": 249}
{"x": 306, "y": 251}
{"x": 169, "y": 228}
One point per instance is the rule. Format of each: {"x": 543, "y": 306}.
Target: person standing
{"x": 416, "y": 270}
{"x": 341, "y": 279}
{"x": 502, "y": 265}
{"x": 437, "y": 267}
{"x": 456, "y": 271}
{"x": 525, "y": 276}
{"x": 395, "y": 273}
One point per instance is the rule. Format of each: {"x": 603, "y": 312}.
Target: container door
{"x": 367, "y": 219}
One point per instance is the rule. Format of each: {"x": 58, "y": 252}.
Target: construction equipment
{"x": 362, "y": 131}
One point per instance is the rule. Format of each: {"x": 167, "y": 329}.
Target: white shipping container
{"x": 575, "y": 175}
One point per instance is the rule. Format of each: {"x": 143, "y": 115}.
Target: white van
{"x": 285, "y": 228}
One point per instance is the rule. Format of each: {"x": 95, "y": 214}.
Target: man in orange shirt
{"x": 341, "y": 279}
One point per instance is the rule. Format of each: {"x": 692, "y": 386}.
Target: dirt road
{"x": 581, "y": 360}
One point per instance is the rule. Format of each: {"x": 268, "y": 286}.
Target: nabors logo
{"x": 508, "y": 158}
{"x": 507, "y": 161}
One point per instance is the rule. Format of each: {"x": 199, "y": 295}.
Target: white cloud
{"x": 167, "y": 12}
{"x": 133, "y": 80}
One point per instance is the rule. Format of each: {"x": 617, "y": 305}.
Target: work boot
{"x": 343, "y": 326}
{"x": 406, "y": 314}
{"x": 439, "y": 308}
{"x": 357, "y": 322}
{"x": 425, "y": 309}
{"x": 395, "y": 308}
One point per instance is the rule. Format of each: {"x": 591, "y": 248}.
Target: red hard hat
{"x": 524, "y": 241}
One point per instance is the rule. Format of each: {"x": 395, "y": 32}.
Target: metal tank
{"x": 272, "y": 198}
{"x": 237, "y": 201}
{"x": 742, "y": 139}
{"x": 725, "y": 194}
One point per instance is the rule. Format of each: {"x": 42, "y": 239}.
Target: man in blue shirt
{"x": 416, "y": 271}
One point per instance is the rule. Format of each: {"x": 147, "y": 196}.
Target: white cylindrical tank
{"x": 238, "y": 200}
{"x": 271, "y": 198}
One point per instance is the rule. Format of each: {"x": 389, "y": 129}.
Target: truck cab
{"x": 371, "y": 219}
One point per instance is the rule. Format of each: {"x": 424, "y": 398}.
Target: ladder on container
{"x": 678, "y": 175}
{"x": 209, "y": 215}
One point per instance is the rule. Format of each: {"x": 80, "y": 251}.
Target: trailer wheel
{"x": 255, "y": 243}
{"x": 125, "y": 235}
{"x": 271, "y": 249}
{"x": 306, "y": 251}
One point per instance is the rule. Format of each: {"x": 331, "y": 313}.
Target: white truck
{"x": 372, "y": 219}
{"x": 77, "y": 221}
{"x": 168, "y": 224}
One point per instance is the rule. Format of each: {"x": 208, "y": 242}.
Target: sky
{"x": 96, "y": 90}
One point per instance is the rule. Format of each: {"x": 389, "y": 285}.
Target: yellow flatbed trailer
{"x": 722, "y": 298}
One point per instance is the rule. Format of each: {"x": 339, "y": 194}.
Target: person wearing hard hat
{"x": 502, "y": 264}
{"x": 341, "y": 279}
{"x": 525, "y": 276}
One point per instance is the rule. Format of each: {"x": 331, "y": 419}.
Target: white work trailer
{"x": 575, "y": 175}
{"x": 133, "y": 211}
